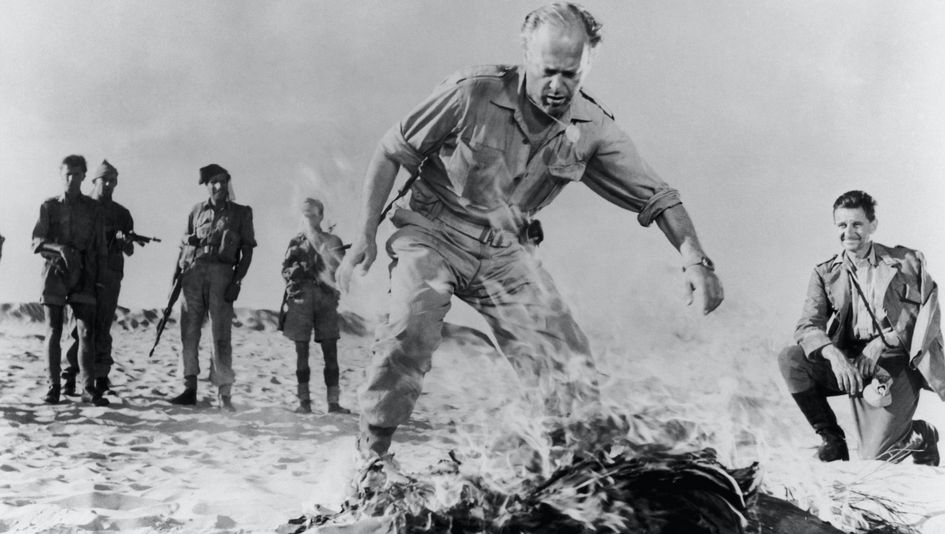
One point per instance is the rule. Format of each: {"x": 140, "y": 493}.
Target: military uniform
{"x": 480, "y": 182}
{"x": 903, "y": 300}
{"x": 312, "y": 311}
{"x": 77, "y": 223}
{"x": 206, "y": 271}
{"x": 117, "y": 218}
{"x": 311, "y": 296}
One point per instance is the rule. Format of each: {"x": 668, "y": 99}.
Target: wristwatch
{"x": 703, "y": 261}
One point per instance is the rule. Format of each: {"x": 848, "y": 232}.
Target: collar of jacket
{"x": 878, "y": 253}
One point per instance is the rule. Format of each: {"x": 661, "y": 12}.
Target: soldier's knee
{"x": 789, "y": 359}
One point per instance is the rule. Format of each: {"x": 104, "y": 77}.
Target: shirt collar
{"x": 871, "y": 256}
{"x": 508, "y": 98}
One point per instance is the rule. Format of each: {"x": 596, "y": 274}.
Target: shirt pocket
{"x": 479, "y": 173}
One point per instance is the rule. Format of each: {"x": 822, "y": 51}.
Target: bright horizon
{"x": 760, "y": 113}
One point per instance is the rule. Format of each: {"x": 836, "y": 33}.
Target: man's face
{"x": 314, "y": 214}
{"x": 556, "y": 62}
{"x": 216, "y": 186}
{"x": 854, "y": 228}
{"x": 72, "y": 178}
{"x": 107, "y": 185}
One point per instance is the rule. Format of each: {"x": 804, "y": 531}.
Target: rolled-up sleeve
{"x": 41, "y": 229}
{"x": 618, "y": 173}
{"x": 426, "y": 127}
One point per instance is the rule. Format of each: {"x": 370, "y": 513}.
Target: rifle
{"x": 166, "y": 313}
{"x": 141, "y": 240}
{"x": 283, "y": 310}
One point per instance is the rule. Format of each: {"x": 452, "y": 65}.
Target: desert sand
{"x": 143, "y": 465}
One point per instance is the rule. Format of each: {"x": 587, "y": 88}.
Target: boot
{"x": 68, "y": 389}
{"x": 102, "y": 385}
{"x": 92, "y": 396}
{"x": 816, "y": 409}
{"x": 927, "y": 453}
{"x": 226, "y": 404}
{"x": 834, "y": 446}
{"x": 302, "y": 390}
{"x": 52, "y": 395}
{"x": 187, "y": 398}
{"x": 374, "y": 440}
{"x": 334, "y": 392}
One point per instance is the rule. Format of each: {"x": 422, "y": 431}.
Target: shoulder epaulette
{"x": 481, "y": 71}
{"x": 594, "y": 101}
{"x": 828, "y": 260}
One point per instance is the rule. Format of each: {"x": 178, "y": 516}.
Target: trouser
{"x": 515, "y": 295}
{"x": 331, "y": 372}
{"x": 84, "y": 315}
{"x": 106, "y": 302}
{"x": 202, "y": 289}
{"x": 879, "y": 429}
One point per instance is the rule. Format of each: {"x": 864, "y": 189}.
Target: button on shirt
{"x": 478, "y": 162}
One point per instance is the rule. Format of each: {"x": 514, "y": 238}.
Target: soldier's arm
{"x": 128, "y": 227}
{"x": 247, "y": 243}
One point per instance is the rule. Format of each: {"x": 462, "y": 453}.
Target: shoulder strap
{"x": 869, "y": 310}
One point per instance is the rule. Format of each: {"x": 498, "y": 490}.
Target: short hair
{"x": 563, "y": 15}
{"x": 857, "y": 199}
{"x": 313, "y": 202}
{"x": 74, "y": 160}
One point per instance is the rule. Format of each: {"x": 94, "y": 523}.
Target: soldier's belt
{"x": 482, "y": 233}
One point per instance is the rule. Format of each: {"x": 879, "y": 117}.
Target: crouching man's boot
{"x": 334, "y": 393}
{"x": 926, "y": 453}
{"x": 189, "y": 396}
{"x": 305, "y": 396}
{"x": 816, "y": 409}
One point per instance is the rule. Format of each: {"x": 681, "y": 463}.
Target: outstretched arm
{"x": 381, "y": 175}
{"x": 700, "y": 279}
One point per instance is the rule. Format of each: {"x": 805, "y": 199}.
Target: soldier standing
{"x": 119, "y": 226}
{"x": 311, "y": 303}
{"x": 216, "y": 251}
{"x": 70, "y": 235}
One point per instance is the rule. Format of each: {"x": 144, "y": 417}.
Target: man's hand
{"x": 362, "y": 255}
{"x": 70, "y": 258}
{"x": 867, "y": 361}
{"x": 706, "y": 285}
{"x": 849, "y": 378}
{"x": 232, "y": 291}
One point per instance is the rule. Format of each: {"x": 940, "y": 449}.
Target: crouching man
{"x": 870, "y": 329}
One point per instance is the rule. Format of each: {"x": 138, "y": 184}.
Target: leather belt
{"x": 493, "y": 237}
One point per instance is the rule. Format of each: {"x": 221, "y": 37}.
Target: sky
{"x": 761, "y": 113}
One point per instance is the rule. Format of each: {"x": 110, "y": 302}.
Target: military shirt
{"x": 117, "y": 219}
{"x": 864, "y": 270}
{"x": 222, "y": 233}
{"x": 304, "y": 261}
{"x": 477, "y": 160}
{"x": 76, "y": 222}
